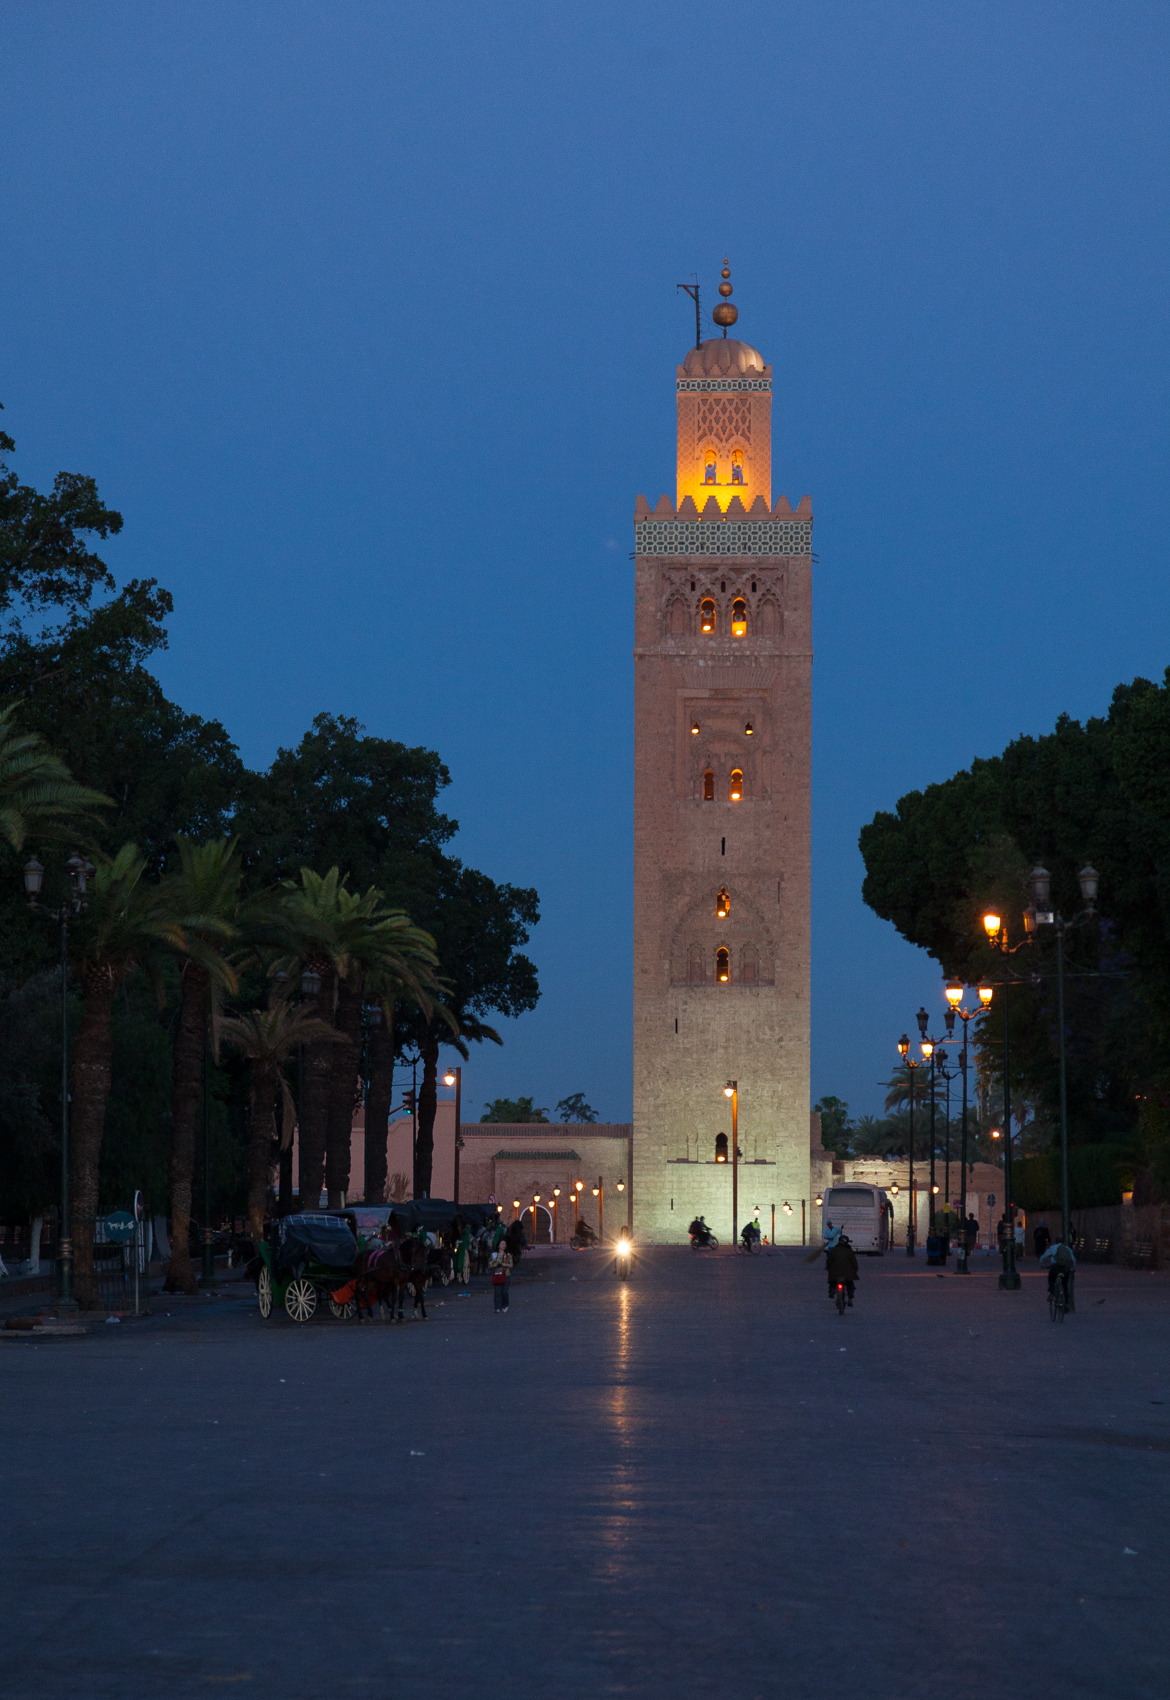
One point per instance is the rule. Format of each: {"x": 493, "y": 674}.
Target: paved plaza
{"x": 704, "y": 1480}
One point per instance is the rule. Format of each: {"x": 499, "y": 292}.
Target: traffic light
{"x": 408, "y": 1101}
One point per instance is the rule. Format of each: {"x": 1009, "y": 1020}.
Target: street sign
{"x": 491, "y": 1198}
{"x": 121, "y": 1226}
{"x": 991, "y": 1198}
{"x": 138, "y": 1207}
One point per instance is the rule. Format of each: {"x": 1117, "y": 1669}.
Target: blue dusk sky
{"x": 365, "y": 317}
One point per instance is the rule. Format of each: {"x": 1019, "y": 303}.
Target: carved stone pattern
{"x": 722, "y": 385}
{"x": 725, "y": 417}
{"x": 723, "y": 537}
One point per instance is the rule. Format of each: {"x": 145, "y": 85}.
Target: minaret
{"x": 723, "y": 663}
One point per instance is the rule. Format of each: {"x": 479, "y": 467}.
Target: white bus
{"x": 861, "y": 1211}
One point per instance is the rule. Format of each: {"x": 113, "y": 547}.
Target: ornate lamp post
{"x": 965, "y": 1015}
{"x": 997, "y": 938}
{"x": 912, "y": 1208}
{"x": 454, "y": 1077}
{"x": 599, "y": 1195}
{"x": 731, "y": 1090}
{"x": 79, "y": 871}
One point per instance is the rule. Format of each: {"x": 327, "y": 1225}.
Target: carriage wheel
{"x": 446, "y": 1277}
{"x": 264, "y": 1292}
{"x": 343, "y": 1312}
{"x": 300, "y": 1300}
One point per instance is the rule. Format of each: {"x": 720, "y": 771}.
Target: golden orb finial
{"x": 725, "y": 314}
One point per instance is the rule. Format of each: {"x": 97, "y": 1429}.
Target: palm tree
{"x": 122, "y": 931}
{"x": 201, "y": 903}
{"x": 38, "y": 794}
{"x": 267, "y": 1038}
{"x": 338, "y": 936}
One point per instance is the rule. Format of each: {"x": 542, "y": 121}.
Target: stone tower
{"x": 723, "y": 661}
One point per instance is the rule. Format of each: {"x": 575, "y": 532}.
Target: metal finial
{"x": 725, "y": 314}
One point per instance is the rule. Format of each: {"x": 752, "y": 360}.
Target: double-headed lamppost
{"x": 932, "y": 1052}
{"x": 912, "y": 1206}
{"x": 578, "y": 1189}
{"x": 79, "y": 871}
{"x": 731, "y": 1090}
{"x": 556, "y": 1199}
{"x": 1040, "y": 915}
{"x": 454, "y": 1077}
{"x": 599, "y": 1195}
{"x": 965, "y": 1015}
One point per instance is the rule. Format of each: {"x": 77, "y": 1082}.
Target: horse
{"x": 383, "y": 1275}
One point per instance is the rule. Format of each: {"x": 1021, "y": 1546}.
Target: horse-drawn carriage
{"x": 305, "y": 1258}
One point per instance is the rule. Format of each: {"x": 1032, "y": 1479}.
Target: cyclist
{"x": 841, "y": 1265}
{"x": 750, "y": 1235}
{"x": 1060, "y": 1263}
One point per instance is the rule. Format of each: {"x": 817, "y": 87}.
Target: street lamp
{"x": 1040, "y": 915}
{"x": 454, "y": 1077}
{"x": 912, "y": 1207}
{"x": 731, "y": 1090}
{"x": 599, "y": 1195}
{"x": 33, "y": 875}
{"x": 556, "y": 1198}
{"x": 516, "y": 1209}
{"x": 959, "y": 1010}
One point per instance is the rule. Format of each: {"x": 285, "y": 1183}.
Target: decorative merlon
{"x": 740, "y": 531}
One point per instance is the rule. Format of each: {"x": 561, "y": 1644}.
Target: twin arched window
{"x": 734, "y": 790}
{"x": 739, "y": 617}
{"x": 707, "y": 615}
{"x": 736, "y": 467}
{"x": 708, "y": 618}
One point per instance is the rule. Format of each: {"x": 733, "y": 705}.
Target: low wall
{"x": 1135, "y": 1236}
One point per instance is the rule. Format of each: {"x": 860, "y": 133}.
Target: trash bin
{"x": 936, "y": 1248}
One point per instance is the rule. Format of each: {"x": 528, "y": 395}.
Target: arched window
{"x": 723, "y": 903}
{"x": 709, "y": 786}
{"x": 695, "y": 972}
{"x": 708, "y": 466}
{"x": 723, "y": 964}
{"x": 749, "y": 971}
{"x": 736, "y": 467}
{"x": 706, "y": 615}
{"x": 768, "y": 621}
{"x": 676, "y": 620}
{"x": 736, "y": 791}
{"x": 721, "y": 1148}
{"x": 739, "y": 617}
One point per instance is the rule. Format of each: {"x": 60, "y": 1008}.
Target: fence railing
{"x": 119, "y": 1267}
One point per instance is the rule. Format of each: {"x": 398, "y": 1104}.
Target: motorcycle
{"x": 624, "y": 1260}
{"x": 700, "y": 1241}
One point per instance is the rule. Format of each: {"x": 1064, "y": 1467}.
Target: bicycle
{"x": 1060, "y": 1298}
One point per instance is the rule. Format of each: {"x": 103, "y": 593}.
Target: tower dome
{"x": 722, "y": 356}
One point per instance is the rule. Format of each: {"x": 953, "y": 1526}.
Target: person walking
{"x": 501, "y": 1270}
{"x": 971, "y": 1232}
{"x": 1018, "y": 1234}
{"x": 1041, "y": 1238}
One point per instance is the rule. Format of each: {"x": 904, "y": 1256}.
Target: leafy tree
{"x": 478, "y": 927}
{"x": 1094, "y": 792}
{"x": 44, "y": 561}
{"x": 835, "y": 1125}
{"x": 343, "y": 799}
{"x": 575, "y": 1109}
{"x": 512, "y": 1110}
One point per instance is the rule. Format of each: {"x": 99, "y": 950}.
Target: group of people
{"x": 493, "y": 1249}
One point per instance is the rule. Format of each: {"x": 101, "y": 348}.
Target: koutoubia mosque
{"x": 723, "y": 667}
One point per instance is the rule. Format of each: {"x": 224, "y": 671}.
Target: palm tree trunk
{"x": 89, "y": 1090}
{"x": 379, "y": 1099}
{"x": 262, "y": 1130}
{"x": 187, "y": 1095}
{"x": 343, "y": 1088}
{"x": 315, "y": 1109}
{"x": 428, "y": 1098}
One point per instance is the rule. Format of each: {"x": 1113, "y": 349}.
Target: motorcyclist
{"x": 699, "y": 1231}
{"x": 841, "y": 1265}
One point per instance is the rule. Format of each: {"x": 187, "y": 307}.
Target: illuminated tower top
{"x": 725, "y": 419}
